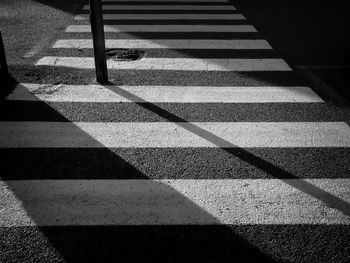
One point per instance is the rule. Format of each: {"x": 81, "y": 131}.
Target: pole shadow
{"x": 43, "y": 227}
{"x": 170, "y": 243}
{"x": 278, "y": 173}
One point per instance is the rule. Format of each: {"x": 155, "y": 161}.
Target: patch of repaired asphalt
{"x": 122, "y": 54}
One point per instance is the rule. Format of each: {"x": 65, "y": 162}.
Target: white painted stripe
{"x": 165, "y": 17}
{"x": 167, "y": 43}
{"x": 158, "y": 94}
{"x": 165, "y": 28}
{"x": 172, "y": 202}
{"x": 187, "y": 64}
{"x": 175, "y": 1}
{"x": 166, "y": 7}
{"x": 179, "y": 134}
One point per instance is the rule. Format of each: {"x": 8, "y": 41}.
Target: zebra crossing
{"x": 180, "y": 143}
{"x": 165, "y": 7}
{"x": 165, "y": 17}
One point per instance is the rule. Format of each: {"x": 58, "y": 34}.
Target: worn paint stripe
{"x": 167, "y": 43}
{"x": 165, "y": 7}
{"x": 165, "y": 28}
{"x": 160, "y": 94}
{"x": 165, "y": 17}
{"x": 179, "y": 134}
{"x": 174, "y": 202}
{"x": 183, "y": 64}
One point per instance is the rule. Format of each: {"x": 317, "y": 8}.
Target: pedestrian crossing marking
{"x": 174, "y": 1}
{"x": 166, "y": 7}
{"x": 163, "y": 94}
{"x": 295, "y": 203}
{"x": 182, "y": 64}
{"x": 165, "y": 28}
{"x": 170, "y": 202}
{"x": 165, "y": 17}
{"x": 167, "y": 43}
{"x": 170, "y": 134}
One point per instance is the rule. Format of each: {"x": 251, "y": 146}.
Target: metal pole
{"x": 96, "y": 21}
{"x": 3, "y": 63}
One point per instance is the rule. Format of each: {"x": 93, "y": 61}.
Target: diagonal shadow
{"x": 301, "y": 185}
{"x": 55, "y": 232}
{"x": 83, "y": 243}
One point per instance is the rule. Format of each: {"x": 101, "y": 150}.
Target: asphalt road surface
{"x": 207, "y": 145}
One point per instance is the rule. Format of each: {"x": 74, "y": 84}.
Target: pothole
{"x": 123, "y": 54}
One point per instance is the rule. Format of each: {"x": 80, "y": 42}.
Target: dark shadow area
{"x": 337, "y": 78}
{"x": 307, "y": 34}
{"x": 8, "y": 84}
{"x": 181, "y": 243}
